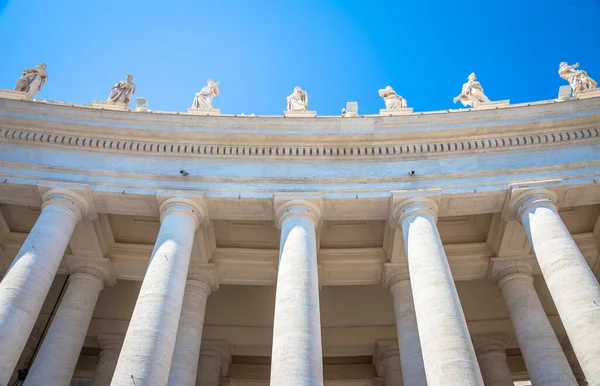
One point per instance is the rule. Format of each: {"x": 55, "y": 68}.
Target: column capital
{"x": 404, "y": 203}
{"x": 385, "y": 350}
{"x": 502, "y": 270}
{"x": 98, "y": 267}
{"x": 203, "y": 274}
{"x": 308, "y": 205}
{"x": 217, "y": 350}
{"x": 75, "y": 202}
{"x": 490, "y": 343}
{"x": 110, "y": 342}
{"x": 394, "y": 274}
{"x": 186, "y": 206}
{"x": 522, "y": 196}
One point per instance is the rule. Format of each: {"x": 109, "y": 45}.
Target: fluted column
{"x": 26, "y": 283}
{"x": 297, "y": 354}
{"x": 184, "y": 366}
{"x": 110, "y": 347}
{"x": 55, "y": 362}
{"x": 573, "y": 286}
{"x": 213, "y": 362}
{"x": 544, "y": 358}
{"x": 150, "y": 340}
{"x": 491, "y": 355}
{"x": 448, "y": 354}
{"x": 386, "y": 360}
{"x": 411, "y": 358}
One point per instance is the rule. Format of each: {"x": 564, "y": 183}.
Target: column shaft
{"x": 448, "y": 354}
{"x": 110, "y": 346}
{"x": 25, "y": 286}
{"x": 574, "y": 289}
{"x": 491, "y": 355}
{"x": 297, "y": 354}
{"x": 545, "y": 361}
{"x": 148, "y": 347}
{"x": 56, "y": 360}
{"x": 411, "y": 358}
{"x": 184, "y": 366}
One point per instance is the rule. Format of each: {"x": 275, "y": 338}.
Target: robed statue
{"x": 392, "y": 100}
{"x": 578, "y": 79}
{"x": 122, "y": 91}
{"x": 298, "y": 100}
{"x": 204, "y": 98}
{"x": 472, "y": 93}
{"x": 32, "y": 80}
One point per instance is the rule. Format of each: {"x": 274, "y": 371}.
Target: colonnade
{"x": 163, "y": 343}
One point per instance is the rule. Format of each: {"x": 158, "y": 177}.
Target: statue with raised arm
{"x": 203, "y": 99}
{"x": 32, "y": 80}
{"x": 392, "y": 100}
{"x": 578, "y": 79}
{"x": 122, "y": 91}
{"x": 298, "y": 100}
{"x": 472, "y": 93}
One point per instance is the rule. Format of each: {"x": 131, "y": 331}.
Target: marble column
{"x": 150, "y": 340}
{"x": 573, "y": 362}
{"x": 411, "y": 358}
{"x": 296, "y": 358}
{"x": 448, "y": 354}
{"x": 184, "y": 366}
{"x": 491, "y": 355}
{"x": 213, "y": 362}
{"x": 573, "y": 286}
{"x": 386, "y": 360}
{"x": 26, "y": 283}
{"x": 110, "y": 347}
{"x": 544, "y": 358}
{"x": 55, "y": 362}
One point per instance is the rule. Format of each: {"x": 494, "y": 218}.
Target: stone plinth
{"x": 9, "y": 94}
{"x": 492, "y": 105}
{"x": 194, "y": 111}
{"x": 407, "y": 111}
{"x": 299, "y": 114}
{"x": 109, "y": 105}
{"x": 588, "y": 94}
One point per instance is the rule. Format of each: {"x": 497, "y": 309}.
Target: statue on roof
{"x": 392, "y": 100}
{"x": 472, "y": 92}
{"x": 578, "y": 79}
{"x": 298, "y": 100}
{"x": 32, "y": 80}
{"x": 122, "y": 91}
{"x": 203, "y": 99}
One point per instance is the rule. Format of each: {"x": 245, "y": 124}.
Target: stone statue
{"x": 122, "y": 91}
{"x": 203, "y": 99}
{"x": 578, "y": 79}
{"x": 32, "y": 80}
{"x": 472, "y": 93}
{"x": 298, "y": 100}
{"x": 392, "y": 100}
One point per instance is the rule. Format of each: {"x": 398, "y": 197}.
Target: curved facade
{"x": 440, "y": 248}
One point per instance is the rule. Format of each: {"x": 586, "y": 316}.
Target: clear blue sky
{"x": 338, "y": 51}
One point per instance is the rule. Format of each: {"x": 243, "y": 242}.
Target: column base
{"x": 406, "y": 111}
{"x": 109, "y": 105}
{"x": 10, "y": 94}
{"x": 194, "y": 111}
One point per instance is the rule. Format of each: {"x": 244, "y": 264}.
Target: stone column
{"x": 544, "y": 358}
{"x": 55, "y": 362}
{"x": 184, "y": 366}
{"x": 213, "y": 362}
{"x": 573, "y": 286}
{"x": 573, "y": 362}
{"x": 110, "y": 347}
{"x": 25, "y": 286}
{"x": 386, "y": 360}
{"x": 150, "y": 340}
{"x": 491, "y": 355}
{"x": 296, "y": 359}
{"x": 448, "y": 354}
{"x": 411, "y": 358}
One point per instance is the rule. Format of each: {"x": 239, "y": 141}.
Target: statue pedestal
{"x": 492, "y": 105}
{"x": 299, "y": 114}
{"x": 9, "y": 94}
{"x": 194, "y": 111}
{"x": 406, "y": 111}
{"x": 109, "y": 105}
{"x": 588, "y": 94}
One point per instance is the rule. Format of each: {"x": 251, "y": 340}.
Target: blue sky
{"x": 338, "y": 51}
